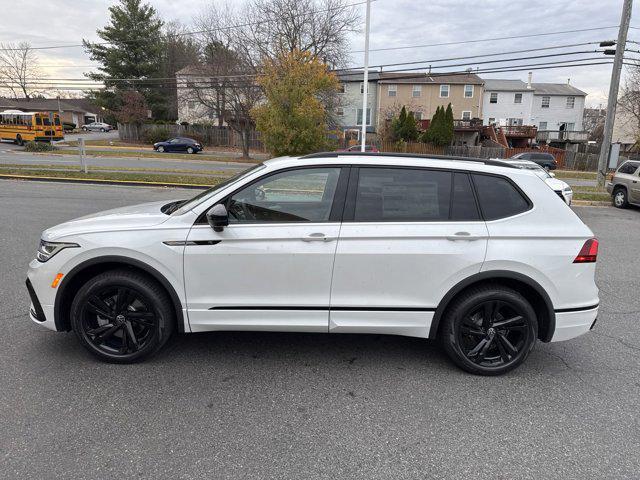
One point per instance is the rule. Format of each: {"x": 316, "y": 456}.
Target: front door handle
{"x": 462, "y": 236}
{"x": 316, "y": 237}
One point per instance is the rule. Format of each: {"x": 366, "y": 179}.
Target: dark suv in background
{"x": 545, "y": 160}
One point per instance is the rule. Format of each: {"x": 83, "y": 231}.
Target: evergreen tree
{"x": 448, "y": 126}
{"x": 132, "y": 47}
{"x": 398, "y": 125}
{"x": 410, "y": 128}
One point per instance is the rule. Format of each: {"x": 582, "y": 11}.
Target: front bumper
{"x": 573, "y": 323}
{"x": 42, "y": 294}
{"x": 609, "y": 187}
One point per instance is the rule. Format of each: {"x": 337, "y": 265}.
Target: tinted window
{"x": 628, "y": 167}
{"x": 402, "y": 194}
{"x": 498, "y": 197}
{"x": 543, "y": 156}
{"x": 304, "y": 195}
{"x": 463, "y": 205}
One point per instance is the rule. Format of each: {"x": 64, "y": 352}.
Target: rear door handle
{"x": 316, "y": 237}
{"x": 462, "y": 236}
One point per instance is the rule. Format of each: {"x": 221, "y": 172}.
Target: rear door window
{"x": 498, "y": 197}
{"x": 463, "y": 203}
{"x": 402, "y": 195}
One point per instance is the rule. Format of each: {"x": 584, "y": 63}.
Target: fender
{"x": 57, "y": 309}
{"x": 495, "y": 275}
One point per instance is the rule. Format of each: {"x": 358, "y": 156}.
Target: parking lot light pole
{"x": 365, "y": 85}
{"x": 603, "y": 161}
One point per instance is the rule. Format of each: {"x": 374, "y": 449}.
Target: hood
{"x": 125, "y": 218}
{"x": 556, "y": 184}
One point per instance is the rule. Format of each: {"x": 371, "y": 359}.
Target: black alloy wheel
{"x": 490, "y": 330}
{"x": 122, "y": 316}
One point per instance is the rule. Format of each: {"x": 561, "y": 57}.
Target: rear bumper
{"x": 573, "y": 323}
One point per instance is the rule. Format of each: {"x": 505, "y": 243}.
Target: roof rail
{"x": 486, "y": 161}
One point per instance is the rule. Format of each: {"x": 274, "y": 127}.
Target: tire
{"x": 161, "y": 149}
{"x": 190, "y": 150}
{"x": 122, "y": 316}
{"x": 19, "y": 140}
{"x": 102, "y": 130}
{"x": 619, "y": 198}
{"x": 85, "y": 129}
{"x": 483, "y": 348}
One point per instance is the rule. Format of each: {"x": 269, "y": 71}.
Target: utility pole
{"x": 614, "y": 86}
{"x": 365, "y": 85}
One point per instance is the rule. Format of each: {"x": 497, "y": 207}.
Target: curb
{"x": 97, "y": 181}
{"x": 590, "y": 203}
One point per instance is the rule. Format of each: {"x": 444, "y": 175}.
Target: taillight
{"x": 588, "y": 253}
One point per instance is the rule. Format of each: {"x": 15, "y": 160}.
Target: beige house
{"x": 423, "y": 93}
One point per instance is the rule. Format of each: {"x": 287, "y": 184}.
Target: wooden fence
{"x": 206, "y": 134}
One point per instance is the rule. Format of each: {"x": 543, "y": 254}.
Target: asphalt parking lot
{"x": 258, "y": 405}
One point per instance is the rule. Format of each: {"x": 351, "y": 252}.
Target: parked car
{"x": 562, "y": 189}
{"x": 68, "y": 126}
{"x": 357, "y": 148}
{"x": 545, "y": 160}
{"x": 178, "y": 144}
{"x": 624, "y": 186}
{"x": 97, "y": 127}
{"x": 457, "y": 249}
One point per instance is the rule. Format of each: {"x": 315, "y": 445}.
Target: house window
{"x": 340, "y": 112}
{"x": 466, "y": 115}
{"x": 468, "y": 91}
{"x": 492, "y": 120}
{"x": 444, "y": 91}
{"x": 417, "y": 115}
{"x": 571, "y": 102}
{"x": 342, "y": 88}
{"x": 417, "y": 90}
{"x": 359, "y": 118}
{"x": 545, "y": 101}
{"x": 542, "y": 126}
{"x": 517, "y": 98}
{"x": 361, "y": 87}
{"x": 493, "y": 97}
{"x": 514, "y": 122}
{"x": 392, "y": 90}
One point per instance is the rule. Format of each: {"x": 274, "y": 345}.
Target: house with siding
{"x": 555, "y": 109}
{"x": 348, "y": 110}
{"x": 422, "y": 93}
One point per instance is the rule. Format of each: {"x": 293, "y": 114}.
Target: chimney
{"x": 529, "y": 81}
{"x": 568, "y": 81}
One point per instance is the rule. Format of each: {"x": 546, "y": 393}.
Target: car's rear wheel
{"x": 489, "y": 330}
{"x": 619, "y": 198}
{"x": 161, "y": 149}
{"x": 122, "y": 316}
{"x": 190, "y": 150}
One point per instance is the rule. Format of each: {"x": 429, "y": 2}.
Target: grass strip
{"x": 166, "y": 156}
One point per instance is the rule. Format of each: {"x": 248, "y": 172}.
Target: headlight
{"x": 46, "y": 250}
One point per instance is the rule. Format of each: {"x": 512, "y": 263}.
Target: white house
{"x": 348, "y": 111}
{"x": 554, "y": 108}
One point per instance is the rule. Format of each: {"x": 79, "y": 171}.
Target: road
{"x": 270, "y": 405}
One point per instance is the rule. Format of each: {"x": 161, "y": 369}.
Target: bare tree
{"x": 628, "y": 108}
{"x": 18, "y": 69}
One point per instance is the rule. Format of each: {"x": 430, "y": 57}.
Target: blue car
{"x": 178, "y": 144}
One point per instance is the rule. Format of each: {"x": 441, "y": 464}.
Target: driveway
{"x": 274, "y": 405}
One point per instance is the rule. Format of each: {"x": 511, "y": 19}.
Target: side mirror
{"x": 218, "y": 217}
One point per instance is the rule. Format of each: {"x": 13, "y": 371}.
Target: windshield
{"x": 537, "y": 169}
{"x": 187, "y": 205}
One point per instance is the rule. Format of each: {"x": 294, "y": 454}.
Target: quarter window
{"x": 304, "y": 195}
{"x": 402, "y": 195}
{"x": 498, "y": 197}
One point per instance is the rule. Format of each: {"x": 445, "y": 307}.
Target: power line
{"x": 462, "y": 42}
{"x": 195, "y": 32}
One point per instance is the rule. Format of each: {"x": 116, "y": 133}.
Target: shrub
{"x": 156, "y": 134}
{"x": 39, "y": 147}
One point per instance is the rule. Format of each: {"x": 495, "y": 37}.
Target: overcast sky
{"x": 394, "y": 23}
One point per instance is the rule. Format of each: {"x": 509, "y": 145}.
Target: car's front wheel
{"x": 190, "y": 150}
{"x": 122, "y": 316}
{"x": 161, "y": 149}
{"x": 489, "y": 330}
{"x": 619, "y": 198}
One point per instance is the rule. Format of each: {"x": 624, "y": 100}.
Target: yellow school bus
{"x": 21, "y": 127}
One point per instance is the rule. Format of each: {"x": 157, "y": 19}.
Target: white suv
{"x": 476, "y": 253}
